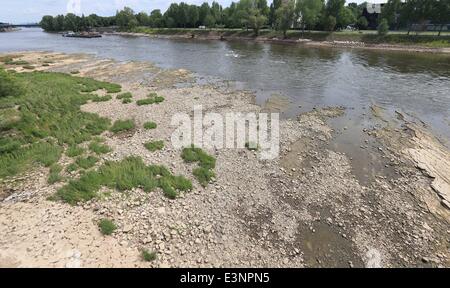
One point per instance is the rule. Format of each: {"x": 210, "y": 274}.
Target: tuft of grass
{"x": 150, "y": 125}
{"x": 127, "y": 101}
{"x": 154, "y": 145}
{"x": 126, "y": 95}
{"x": 207, "y": 163}
{"x": 74, "y": 151}
{"x": 153, "y": 98}
{"x": 87, "y": 162}
{"x": 149, "y": 256}
{"x": 105, "y": 98}
{"x": 72, "y": 168}
{"x": 55, "y": 176}
{"x": 123, "y": 176}
{"x": 99, "y": 148}
{"x": 122, "y": 125}
{"x": 107, "y": 226}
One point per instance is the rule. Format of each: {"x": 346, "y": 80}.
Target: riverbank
{"x": 391, "y": 42}
{"x": 306, "y": 208}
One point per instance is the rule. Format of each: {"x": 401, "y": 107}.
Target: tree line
{"x": 282, "y": 15}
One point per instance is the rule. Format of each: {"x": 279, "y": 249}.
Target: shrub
{"x": 148, "y": 256}
{"x": 154, "y": 145}
{"x": 127, "y": 101}
{"x": 203, "y": 175}
{"x": 107, "y": 226}
{"x": 383, "y": 27}
{"x": 122, "y": 125}
{"x": 150, "y": 125}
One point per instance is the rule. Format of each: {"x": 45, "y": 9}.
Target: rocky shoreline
{"x": 306, "y": 42}
{"x": 303, "y": 209}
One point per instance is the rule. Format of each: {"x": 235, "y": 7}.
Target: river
{"x": 413, "y": 83}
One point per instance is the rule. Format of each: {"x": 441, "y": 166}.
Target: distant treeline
{"x": 257, "y": 14}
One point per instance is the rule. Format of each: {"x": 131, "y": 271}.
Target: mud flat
{"x": 303, "y": 209}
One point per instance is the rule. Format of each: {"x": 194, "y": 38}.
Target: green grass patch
{"x": 124, "y": 175}
{"x": 105, "y": 98}
{"x": 107, "y": 226}
{"x": 149, "y": 256}
{"x": 18, "y": 63}
{"x": 99, "y": 148}
{"x": 207, "y": 163}
{"x": 86, "y": 162}
{"x": 153, "y": 98}
{"x": 126, "y": 95}
{"x": 150, "y": 125}
{"x": 72, "y": 168}
{"x": 74, "y": 151}
{"x": 127, "y": 101}
{"x": 122, "y": 125}
{"x": 54, "y": 175}
{"x": 40, "y": 114}
{"x": 154, "y": 145}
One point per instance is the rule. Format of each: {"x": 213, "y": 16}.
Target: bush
{"x": 127, "y": 95}
{"x": 107, "y": 227}
{"x": 383, "y": 27}
{"x": 122, "y": 125}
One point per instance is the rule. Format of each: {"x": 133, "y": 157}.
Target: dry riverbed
{"x": 304, "y": 209}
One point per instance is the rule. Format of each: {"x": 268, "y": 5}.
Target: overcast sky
{"x": 25, "y": 11}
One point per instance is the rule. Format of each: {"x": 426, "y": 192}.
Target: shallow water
{"x": 413, "y": 83}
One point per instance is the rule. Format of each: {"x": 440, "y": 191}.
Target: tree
{"x": 256, "y": 20}
{"x": 156, "y": 18}
{"x": 203, "y": 12}
{"x": 383, "y": 27}
{"x": 47, "y": 23}
{"x": 210, "y": 21}
{"x": 285, "y": 17}
{"x": 193, "y": 16}
{"x": 333, "y": 7}
{"x": 362, "y": 23}
{"x": 143, "y": 19}
{"x": 329, "y": 23}
{"x": 309, "y": 12}
{"x": 72, "y": 22}
{"x": 276, "y": 4}
{"x": 441, "y": 13}
{"x": 124, "y": 18}
{"x": 391, "y": 12}
{"x": 345, "y": 17}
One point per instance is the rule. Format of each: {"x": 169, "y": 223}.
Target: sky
{"x": 28, "y": 11}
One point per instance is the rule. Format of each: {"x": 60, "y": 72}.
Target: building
{"x": 372, "y": 13}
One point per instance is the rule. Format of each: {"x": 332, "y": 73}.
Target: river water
{"x": 413, "y": 83}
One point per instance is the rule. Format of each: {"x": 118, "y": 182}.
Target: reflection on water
{"x": 418, "y": 84}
